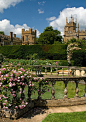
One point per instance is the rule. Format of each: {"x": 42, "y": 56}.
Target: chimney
{"x": 14, "y": 35}
{"x": 11, "y": 37}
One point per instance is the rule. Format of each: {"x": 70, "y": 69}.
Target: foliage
{"x": 46, "y": 37}
{"x": 2, "y": 32}
{"x": 56, "y": 52}
{"x": 13, "y": 82}
{"x": 49, "y": 36}
{"x": 79, "y": 57}
{"x": 70, "y": 48}
{"x": 65, "y": 63}
{"x": 32, "y": 56}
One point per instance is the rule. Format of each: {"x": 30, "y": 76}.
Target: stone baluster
{"x": 65, "y": 90}
{"x": 85, "y": 88}
{"x": 76, "y": 89}
{"x": 53, "y": 90}
{"x": 80, "y": 71}
{"x": 45, "y": 70}
{"x": 85, "y": 71}
{"x": 68, "y": 71}
{"x": 36, "y": 70}
{"x": 57, "y": 71}
{"x": 75, "y": 72}
{"x": 62, "y": 71}
{"x": 39, "y": 91}
{"x": 40, "y": 70}
{"x": 51, "y": 71}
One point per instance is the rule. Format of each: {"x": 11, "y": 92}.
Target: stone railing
{"x": 65, "y": 74}
{"x": 54, "y": 74}
{"x": 58, "y": 70}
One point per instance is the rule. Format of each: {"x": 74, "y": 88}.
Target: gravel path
{"x": 38, "y": 114}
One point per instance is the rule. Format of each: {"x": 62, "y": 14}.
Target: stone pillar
{"x": 53, "y": 90}
{"x": 76, "y": 89}
{"x": 85, "y": 88}
{"x": 51, "y": 71}
{"x": 65, "y": 90}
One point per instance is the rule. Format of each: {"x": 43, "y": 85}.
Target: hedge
{"x": 79, "y": 57}
{"x": 55, "y": 52}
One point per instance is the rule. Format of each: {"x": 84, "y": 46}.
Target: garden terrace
{"x": 38, "y": 77}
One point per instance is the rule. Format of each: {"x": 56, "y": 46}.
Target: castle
{"x": 71, "y": 31}
{"x": 28, "y": 38}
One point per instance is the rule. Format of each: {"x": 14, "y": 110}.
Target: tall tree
{"x": 49, "y": 36}
{"x": 2, "y": 32}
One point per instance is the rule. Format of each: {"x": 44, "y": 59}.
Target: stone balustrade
{"x": 58, "y": 70}
{"x": 65, "y": 74}
{"x": 54, "y": 74}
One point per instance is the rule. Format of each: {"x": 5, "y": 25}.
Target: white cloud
{"x": 67, "y": 5}
{"x": 79, "y": 13}
{"x": 51, "y": 18}
{"x": 4, "y": 4}
{"x": 42, "y": 3}
{"x": 40, "y": 11}
{"x": 17, "y": 29}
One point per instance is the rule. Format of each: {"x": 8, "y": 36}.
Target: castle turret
{"x": 30, "y": 30}
{"x": 66, "y": 20}
{"x": 28, "y": 36}
{"x": 78, "y": 28}
{"x": 23, "y": 30}
{"x": 72, "y": 19}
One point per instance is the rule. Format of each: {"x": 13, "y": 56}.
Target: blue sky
{"x": 38, "y": 14}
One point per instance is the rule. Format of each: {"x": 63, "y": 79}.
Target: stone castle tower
{"x": 72, "y": 31}
{"x": 28, "y": 37}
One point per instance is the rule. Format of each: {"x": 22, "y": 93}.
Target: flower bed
{"x": 12, "y": 87}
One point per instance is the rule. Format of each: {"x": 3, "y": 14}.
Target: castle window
{"x": 26, "y": 38}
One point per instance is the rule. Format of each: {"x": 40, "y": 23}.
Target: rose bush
{"x": 13, "y": 81}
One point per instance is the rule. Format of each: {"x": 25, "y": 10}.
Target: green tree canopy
{"x": 49, "y": 36}
{"x": 2, "y": 32}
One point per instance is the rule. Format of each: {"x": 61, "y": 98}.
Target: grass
{"x": 66, "y": 117}
{"x": 59, "y": 91}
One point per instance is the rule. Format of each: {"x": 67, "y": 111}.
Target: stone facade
{"x": 9, "y": 40}
{"x": 28, "y": 37}
{"x": 71, "y": 31}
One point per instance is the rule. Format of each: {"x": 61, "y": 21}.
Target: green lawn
{"x": 59, "y": 94}
{"x": 66, "y": 117}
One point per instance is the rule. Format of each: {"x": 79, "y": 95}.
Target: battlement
{"x": 28, "y": 36}
{"x": 30, "y": 31}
